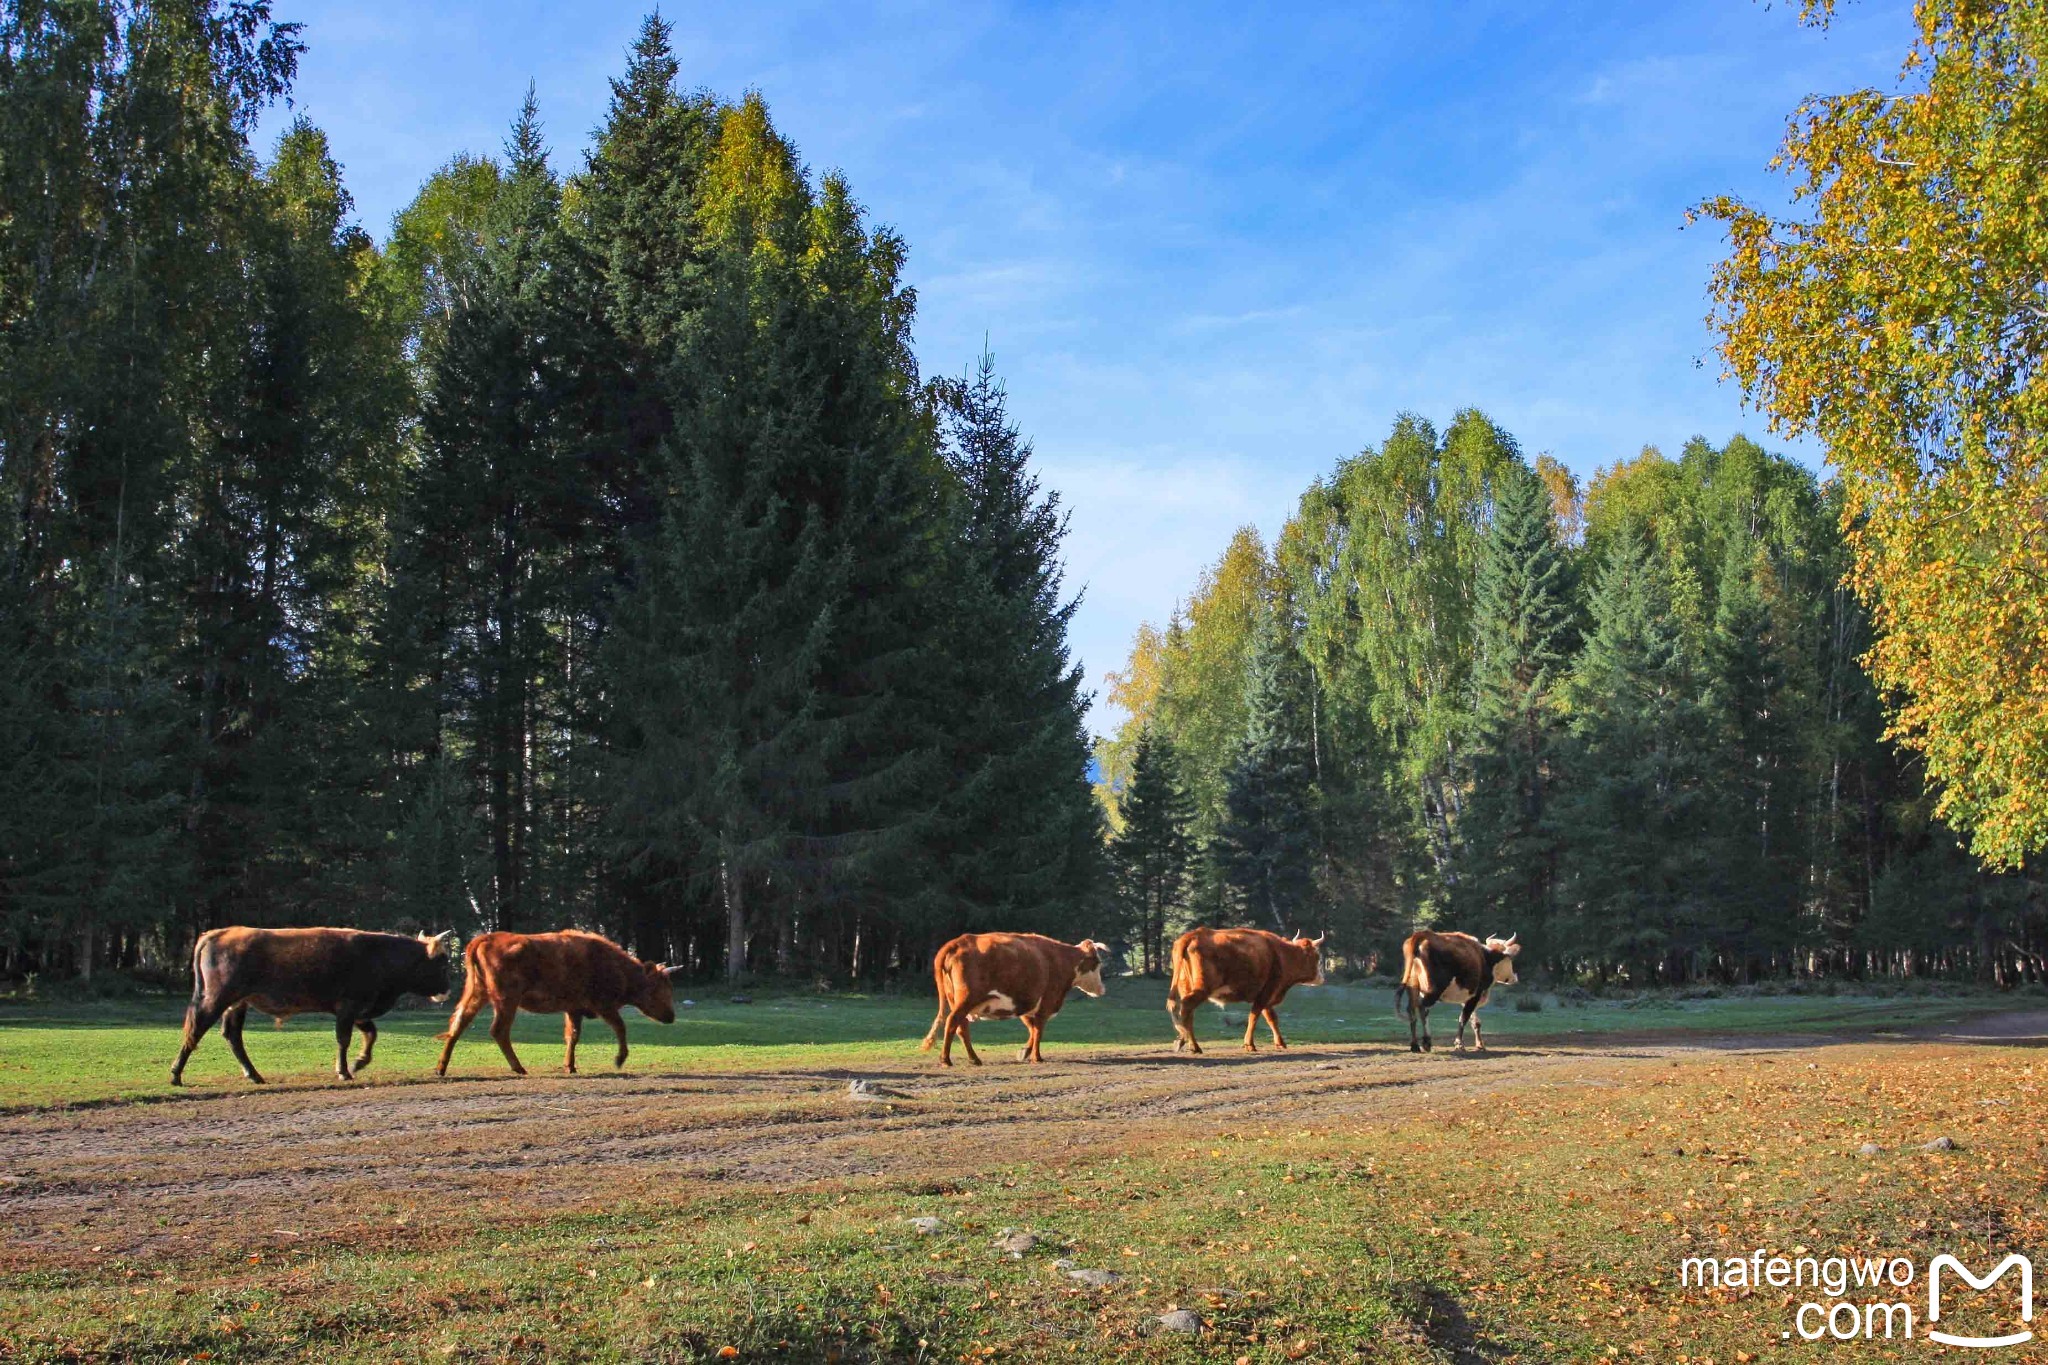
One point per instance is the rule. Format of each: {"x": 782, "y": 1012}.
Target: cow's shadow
{"x": 1440, "y": 1317}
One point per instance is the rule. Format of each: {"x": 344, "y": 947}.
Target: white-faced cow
{"x": 1253, "y": 967}
{"x": 349, "y": 973}
{"x": 1008, "y": 976}
{"x": 1456, "y": 968}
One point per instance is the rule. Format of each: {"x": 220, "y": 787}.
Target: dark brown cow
{"x": 1456, "y": 968}
{"x": 1008, "y": 976}
{"x": 578, "y": 975}
{"x": 1255, "y": 967}
{"x": 349, "y": 973}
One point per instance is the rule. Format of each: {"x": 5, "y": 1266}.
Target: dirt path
{"x": 258, "y": 1169}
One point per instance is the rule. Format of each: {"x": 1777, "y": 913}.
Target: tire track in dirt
{"x": 253, "y": 1168}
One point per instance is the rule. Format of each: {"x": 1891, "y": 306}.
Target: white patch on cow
{"x": 1221, "y": 996}
{"x": 1090, "y": 982}
{"x": 997, "y": 1006}
{"x": 1504, "y": 972}
{"x": 1455, "y": 994}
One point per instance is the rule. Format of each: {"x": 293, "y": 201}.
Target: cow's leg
{"x": 572, "y": 1029}
{"x": 956, "y": 1024}
{"x": 198, "y": 1019}
{"x": 1251, "y": 1022}
{"x": 502, "y": 1016}
{"x": 1182, "y": 1012}
{"x": 344, "y": 1031}
{"x": 618, "y": 1024}
{"x": 457, "y": 1022}
{"x": 1478, "y": 1038}
{"x": 369, "y": 1031}
{"x": 1273, "y": 1023}
{"x": 231, "y": 1029}
{"x": 1031, "y": 1052}
{"x": 1423, "y": 1007}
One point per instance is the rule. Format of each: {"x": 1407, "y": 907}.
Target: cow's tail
{"x": 931, "y": 1036}
{"x": 1177, "y": 971}
{"x": 1405, "y": 992}
{"x": 193, "y": 1028}
{"x": 473, "y": 986}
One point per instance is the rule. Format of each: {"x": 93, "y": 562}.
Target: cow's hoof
{"x": 1415, "y": 1048}
{"x": 254, "y": 1078}
{"x": 177, "y": 1080}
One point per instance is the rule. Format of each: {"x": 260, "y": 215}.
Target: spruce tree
{"x": 1755, "y": 766}
{"x": 1523, "y": 637}
{"x": 1635, "y": 893}
{"x": 1264, "y": 848}
{"x": 1021, "y": 832}
{"x": 1153, "y": 854}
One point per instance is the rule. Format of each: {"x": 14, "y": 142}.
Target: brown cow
{"x": 583, "y": 976}
{"x": 1008, "y": 976}
{"x": 1255, "y": 967}
{"x": 1455, "y": 967}
{"x": 349, "y": 973}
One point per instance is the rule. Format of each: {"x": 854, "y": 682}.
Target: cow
{"x": 352, "y": 974}
{"x": 580, "y": 975}
{"x": 1008, "y": 976}
{"x": 1455, "y": 967}
{"x": 1255, "y": 967}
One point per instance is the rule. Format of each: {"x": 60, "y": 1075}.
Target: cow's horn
{"x": 438, "y": 944}
{"x": 1513, "y": 937}
{"x": 1318, "y": 939}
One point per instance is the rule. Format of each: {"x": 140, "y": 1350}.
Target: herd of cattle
{"x": 357, "y": 975}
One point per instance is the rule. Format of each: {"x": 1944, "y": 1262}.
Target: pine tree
{"x": 1523, "y": 626}
{"x": 1265, "y": 845}
{"x": 1755, "y": 766}
{"x": 1153, "y": 854}
{"x": 1635, "y": 892}
{"x": 1021, "y": 833}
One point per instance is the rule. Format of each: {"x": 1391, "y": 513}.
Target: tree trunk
{"x": 734, "y": 887}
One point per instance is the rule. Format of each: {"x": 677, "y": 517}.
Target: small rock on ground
{"x": 1017, "y": 1244}
{"x": 868, "y": 1090}
{"x": 1099, "y": 1279}
{"x": 927, "y": 1225}
{"x": 1869, "y": 1149}
{"x": 1179, "y": 1320}
{"x": 1940, "y": 1144}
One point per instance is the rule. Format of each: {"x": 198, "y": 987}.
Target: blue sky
{"x": 1214, "y": 247}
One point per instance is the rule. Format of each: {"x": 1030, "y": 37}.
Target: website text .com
{"x": 1857, "y": 1297}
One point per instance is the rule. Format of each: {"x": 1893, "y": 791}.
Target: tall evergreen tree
{"x": 1523, "y": 627}
{"x": 1153, "y": 854}
{"x": 1264, "y": 849}
{"x": 1020, "y": 828}
{"x": 1635, "y": 895}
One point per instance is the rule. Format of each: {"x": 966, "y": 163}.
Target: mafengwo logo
{"x": 2012, "y": 1262}
{"x": 1856, "y": 1294}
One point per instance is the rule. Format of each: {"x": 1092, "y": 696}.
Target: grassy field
{"x": 1345, "y": 1201}
{"x": 54, "y": 1053}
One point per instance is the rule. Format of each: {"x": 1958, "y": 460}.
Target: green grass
{"x": 71, "y": 1053}
{"x": 1523, "y": 1227}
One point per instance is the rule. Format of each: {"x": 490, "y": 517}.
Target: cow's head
{"x": 431, "y": 980}
{"x": 1313, "y": 946}
{"x": 1088, "y": 972}
{"x": 657, "y": 998}
{"x": 1504, "y": 964}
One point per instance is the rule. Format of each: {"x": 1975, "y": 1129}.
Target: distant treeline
{"x": 591, "y": 552}
{"x": 1629, "y": 723}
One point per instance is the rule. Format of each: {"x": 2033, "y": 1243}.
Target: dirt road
{"x": 254, "y": 1169}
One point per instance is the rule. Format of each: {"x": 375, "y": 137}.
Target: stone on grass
{"x": 1016, "y": 1242}
{"x": 1179, "y": 1320}
{"x": 1940, "y": 1144}
{"x": 1098, "y": 1279}
{"x": 870, "y": 1092}
{"x": 1870, "y": 1149}
{"x": 927, "y": 1225}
